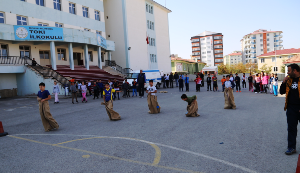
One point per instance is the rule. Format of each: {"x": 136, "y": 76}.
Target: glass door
{"x": 24, "y": 51}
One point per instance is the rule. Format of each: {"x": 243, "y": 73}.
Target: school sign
{"x": 38, "y": 33}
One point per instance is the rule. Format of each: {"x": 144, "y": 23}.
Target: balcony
{"x": 253, "y": 37}
{"x": 253, "y": 42}
{"x": 217, "y": 38}
{"x": 280, "y": 41}
{"x": 218, "y": 51}
{"x": 195, "y": 45}
{"x": 218, "y": 42}
{"x": 253, "y": 47}
{"x": 195, "y": 40}
{"x": 280, "y": 36}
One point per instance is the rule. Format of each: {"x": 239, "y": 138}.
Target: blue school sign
{"x": 101, "y": 41}
{"x": 40, "y": 33}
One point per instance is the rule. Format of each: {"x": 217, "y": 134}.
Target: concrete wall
{"x": 8, "y": 81}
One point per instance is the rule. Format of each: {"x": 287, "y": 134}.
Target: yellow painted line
{"x": 157, "y": 154}
{"x": 104, "y": 155}
{"x": 77, "y": 140}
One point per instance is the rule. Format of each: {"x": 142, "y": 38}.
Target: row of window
{"x": 72, "y": 8}
{"x": 153, "y": 58}
{"x": 150, "y": 25}
{"x": 149, "y": 8}
{"x": 151, "y": 41}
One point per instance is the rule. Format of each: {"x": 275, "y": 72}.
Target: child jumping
{"x": 228, "y": 94}
{"x": 192, "y": 106}
{"x": 108, "y": 102}
{"x": 153, "y": 105}
{"x": 48, "y": 121}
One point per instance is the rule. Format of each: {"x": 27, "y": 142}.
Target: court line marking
{"x": 157, "y": 149}
{"x": 104, "y": 155}
{"x": 163, "y": 145}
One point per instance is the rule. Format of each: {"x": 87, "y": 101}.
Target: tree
{"x": 282, "y": 68}
{"x": 222, "y": 69}
{"x": 251, "y": 67}
{"x": 265, "y": 68}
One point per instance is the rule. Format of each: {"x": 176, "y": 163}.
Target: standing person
{"x": 167, "y": 78}
{"x": 108, "y": 102}
{"x": 231, "y": 78}
{"x": 33, "y": 62}
{"x": 125, "y": 88}
{"x": 116, "y": 87}
{"x": 250, "y": 81}
{"x": 153, "y": 105}
{"x": 79, "y": 87}
{"x": 215, "y": 83}
{"x": 83, "y": 91}
{"x": 265, "y": 82}
{"x": 275, "y": 85}
{"x": 228, "y": 94}
{"x": 187, "y": 83}
{"x": 202, "y": 77}
{"x": 262, "y": 74}
{"x": 56, "y": 91}
{"x": 96, "y": 91}
{"x": 73, "y": 90}
{"x": 208, "y": 80}
{"x": 271, "y": 83}
{"x": 141, "y": 82}
{"x": 89, "y": 87}
{"x": 48, "y": 121}
{"x": 180, "y": 83}
{"x": 223, "y": 80}
{"x": 101, "y": 86}
{"x": 171, "y": 77}
{"x": 198, "y": 81}
{"x": 134, "y": 88}
{"x": 238, "y": 83}
{"x": 192, "y": 106}
{"x": 258, "y": 81}
{"x": 176, "y": 77}
{"x": 244, "y": 78}
{"x": 290, "y": 87}
{"x": 163, "y": 80}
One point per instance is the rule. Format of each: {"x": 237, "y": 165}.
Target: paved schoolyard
{"x": 253, "y": 136}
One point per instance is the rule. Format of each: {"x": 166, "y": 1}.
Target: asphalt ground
{"x": 251, "y": 138}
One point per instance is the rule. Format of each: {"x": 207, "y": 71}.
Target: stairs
{"x": 112, "y": 71}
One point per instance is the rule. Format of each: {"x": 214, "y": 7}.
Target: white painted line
{"x": 167, "y": 146}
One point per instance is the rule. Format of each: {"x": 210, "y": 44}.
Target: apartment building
{"x": 234, "y": 58}
{"x": 260, "y": 42}
{"x": 207, "y": 47}
{"x": 140, "y": 29}
{"x": 276, "y": 58}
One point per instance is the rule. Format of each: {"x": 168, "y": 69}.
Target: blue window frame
{"x": 1, "y": 17}
{"x": 72, "y": 8}
{"x": 59, "y": 25}
{"x": 57, "y": 4}
{"x": 39, "y": 2}
{"x": 97, "y": 15}
{"x": 85, "y": 12}
{"x": 21, "y": 20}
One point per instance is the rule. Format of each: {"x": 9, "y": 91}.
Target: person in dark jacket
{"x": 181, "y": 84}
{"x": 171, "y": 77}
{"x": 290, "y": 87}
{"x": 163, "y": 80}
{"x": 96, "y": 91}
{"x": 101, "y": 87}
{"x": 202, "y": 77}
{"x": 208, "y": 80}
{"x": 176, "y": 77}
{"x": 237, "y": 83}
{"x": 116, "y": 87}
{"x": 141, "y": 82}
{"x": 125, "y": 87}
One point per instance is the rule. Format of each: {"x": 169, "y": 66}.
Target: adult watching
{"x": 141, "y": 80}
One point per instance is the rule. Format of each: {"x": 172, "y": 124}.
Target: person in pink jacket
{"x": 257, "y": 83}
{"x": 265, "y": 79}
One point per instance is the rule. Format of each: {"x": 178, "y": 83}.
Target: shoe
{"x": 85, "y": 101}
{"x": 290, "y": 151}
{"x": 207, "y": 90}
{"x": 255, "y": 92}
{"x": 93, "y": 98}
{"x": 140, "y": 96}
{"x": 240, "y": 91}
{"x": 118, "y": 99}
{"x": 76, "y": 101}
{"x": 73, "y": 102}
{"x": 82, "y": 101}
{"x": 237, "y": 91}
{"x": 54, "y": 102}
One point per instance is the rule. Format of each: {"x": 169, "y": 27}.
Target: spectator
{"x": 167, "y": 78}
{"x": 187, "y": 83}
{"x": 180, "y": 83}
{"x": 125, "y": 88}
{"x": 141, "y": 82}
{"x": 208, "y": 80}
{"x": 33, "y": 62}
{"x": 163, "y": 80}
{"x": 73, "y": 90}
{"x": 250, "y": 80}
{"x": 223, "y": 81}
{"x": 96, "y": 90}
{"x": 134, "y": 88}
{"x": 176, "y": 77}
{"x": 101, "y": 87}
{"x": 116, "y": 87}
{"x": 171, "y": 77}
{"x": 237, "y": 83}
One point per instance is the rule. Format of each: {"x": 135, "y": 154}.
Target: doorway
{"x": 77, "y": 59}
{"x": 44, "y": 58}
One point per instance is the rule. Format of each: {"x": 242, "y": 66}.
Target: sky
{"x": 233, "y": 18}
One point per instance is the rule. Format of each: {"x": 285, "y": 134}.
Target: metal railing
{"x": 13, "y": 60}
{"x": 118, "y": 68}
{"x": 47, "y": 72}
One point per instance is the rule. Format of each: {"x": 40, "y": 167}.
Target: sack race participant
{"x": 48, "y": 121}
{"x": 107, "y": 98}
{"x": 153, "y": 105}
{"x": 192, "y": 106}
{"x": 228, "y": 94}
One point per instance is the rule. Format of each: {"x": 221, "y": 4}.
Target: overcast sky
{"x": 232, "y": 18}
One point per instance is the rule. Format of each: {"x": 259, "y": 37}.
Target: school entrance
{"x": 78, "y": 60}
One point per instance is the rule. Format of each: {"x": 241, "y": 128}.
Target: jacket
{"x": 125, "y": 86}
{"x": 96, "y": 88}
{"x": 73, "y": 89}
{"x": 265, "y": 80}
{"x": 186, "y": 80}
{"x": 180, "y": 83}
{"x": 140, "y": 78}
{"x": 56, "y": 89}
{"x": 176, "y": 76}
{"x": 232, "y": 84}
{"x": 285, "y": 89}
{"x": 171, "y": 77}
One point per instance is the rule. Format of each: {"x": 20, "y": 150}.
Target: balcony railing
{"x": 217, "y": 38}
{"x": 12, "y": 60}
{"x": 253, "y": 37}
{"x": 253, "y": 47}
{"x": 195, "y": 40}
{"x": 218, "y": 42}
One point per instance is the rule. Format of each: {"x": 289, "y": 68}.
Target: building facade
{"x": 185, "y": 66}
{"x": 234, "y": 58}
{"x": 207, "y": 47}
{"x": 260, "y": 42}
{"x": 54, "y": 32}
{"x": 276, "y": 59}
{"x": 140, "y": 29}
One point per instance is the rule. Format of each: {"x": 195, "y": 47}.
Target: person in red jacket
{"x": 198, "y": 81}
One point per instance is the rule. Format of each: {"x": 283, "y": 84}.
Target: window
{"x": 24, "y": 51}
{"x": 85, "y": 12}
{"x": 268, "y": 35}
{"x": 146, "y": 7}
{"x": 44, "y": 54}
{"x": 71, "y": 8}
{"x": 203, "y": 52}
{"x": 148, "y": 25}
{"x": 1, "y": 17}
{"x": 87, "y": 29}
{"x": 90, "y": 56}
{"x": 151, "y": 9}
{"x": 267, "y": 39}
{"x": 261, "y": 50}
{"x": 261, "y": 40}
{"x": 261, "y": 44}
{"x": 61, "y": 54}
{"x": 3, "y": 50}
{"x": 42, "y": 24}
{"x": 39, "y": 2}
{"x": 97, "y": 15}
{"x": 152, "y": 25}
{"x": 59, "y": 25}
{"x": 21, "y": 20}
{"x": 153, "y": 41}
{"x": 262, "y": 60}
{"x": 268, "y": 50}
{"x": 99, "y": 32}
{"x": 275, "y": 69}
{"x": 268, "y": 44}
{"x": 261, "y": 35}
{"x": 273, "y": 59}
{"x": 208, "y": 51}
{"x": 155, "y": 58}
{"x": 57, "y": 4}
